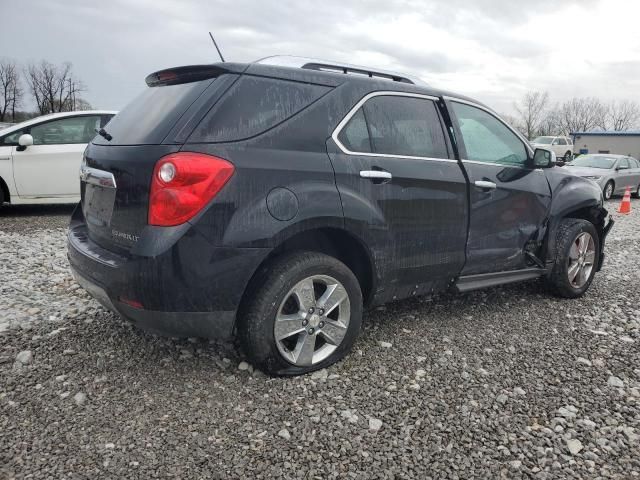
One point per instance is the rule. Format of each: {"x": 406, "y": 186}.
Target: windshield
{"x": 593, "y": 161}
{"x": 544, "y": 140}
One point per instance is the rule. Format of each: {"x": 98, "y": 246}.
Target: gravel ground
{"x": 502, "y": 383}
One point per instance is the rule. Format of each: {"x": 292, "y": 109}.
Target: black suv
{"x": 274, "y": 200}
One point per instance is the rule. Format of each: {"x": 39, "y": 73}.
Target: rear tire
{"x": 568, "y": 156}
{"x": 607, "y": 192}
{"x": 282, "y": 298}
{"x": 636, "y": 194}
{"x": 576, "y": 262}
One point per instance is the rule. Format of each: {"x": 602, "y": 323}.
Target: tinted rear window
{"x": 254, "y": 105}
{"x": 150, "y": 117}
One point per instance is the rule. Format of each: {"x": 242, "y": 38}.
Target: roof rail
{"x": 337, "y": 67}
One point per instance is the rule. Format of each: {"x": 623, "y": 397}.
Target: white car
{"x": 561, "y": 146}
{"x": 40, "y": 158}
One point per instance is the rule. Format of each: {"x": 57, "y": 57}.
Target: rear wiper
{"x": 103, "y": 133}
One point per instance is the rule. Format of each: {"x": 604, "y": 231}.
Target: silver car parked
{"x": 614, "y": 173}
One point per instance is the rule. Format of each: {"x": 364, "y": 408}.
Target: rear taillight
{"x": 183, "y": 183}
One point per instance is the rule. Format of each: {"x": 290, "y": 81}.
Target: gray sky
{"x": 493, "y": 50}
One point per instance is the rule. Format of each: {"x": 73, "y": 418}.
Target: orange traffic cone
{"x": 625, "y": 205}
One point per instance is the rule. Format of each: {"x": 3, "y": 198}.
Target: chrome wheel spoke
{"x": 288, "y": 325}
{"x": 305, "y": 294}
{"x": 332, "y": 297}
{"x": 573, "y": 271}
{"x": 573, "y": 252}
{"x": 333, "y": 332}
{"x": 589, "y": 258}
{"x": 582, "y": 256}
{"x": 581, "y": 277}
{"x": 305, "y": 348}
{"x": 582, "y": 244}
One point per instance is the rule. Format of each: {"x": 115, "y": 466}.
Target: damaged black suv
{"x": 274, "y": 200}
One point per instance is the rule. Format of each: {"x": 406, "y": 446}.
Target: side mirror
{"x": 622, "y": 167}
{"x": 544, "y": 158}
{"x": 25, "y": 141}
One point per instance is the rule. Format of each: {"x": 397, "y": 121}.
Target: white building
{"x": 622, "y": 143}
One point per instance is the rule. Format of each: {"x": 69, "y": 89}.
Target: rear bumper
{"x": 193, "y": 289}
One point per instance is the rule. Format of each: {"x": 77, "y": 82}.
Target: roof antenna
{"x": 216, "y": 45}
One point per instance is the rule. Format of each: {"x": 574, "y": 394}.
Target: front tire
{"x": 607, "y": 192}
{"x": 636, "y": 194}
{"x": 302, "y": 313}
{"x": 576, "y": 262}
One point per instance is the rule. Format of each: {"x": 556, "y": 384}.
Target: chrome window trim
{"x": 97, "y": 177}
{"x": 503, "y": 165}
{"x": 498, "y": 117}
{"x": 362, "y": 101}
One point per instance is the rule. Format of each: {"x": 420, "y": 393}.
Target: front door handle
{"x": 376, "y": 174}
{"x": 485, "y": 185}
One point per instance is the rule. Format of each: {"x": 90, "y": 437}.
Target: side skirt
{"x": 485, "y": 280}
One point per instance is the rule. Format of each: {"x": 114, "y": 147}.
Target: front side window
{"x": 397, "y": 126}
{"x": 66, "y": 130}
{"x": 487, "y": 139}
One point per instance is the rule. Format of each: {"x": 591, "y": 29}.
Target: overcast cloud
{"x": 493, "y": 50}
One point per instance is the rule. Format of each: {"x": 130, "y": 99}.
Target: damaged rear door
{"x": 509, "y": 199}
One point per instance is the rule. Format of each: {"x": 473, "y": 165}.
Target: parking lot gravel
{"x": 502, "y": 383}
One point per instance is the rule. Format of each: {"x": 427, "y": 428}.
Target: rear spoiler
{"x": 191, "y": 73}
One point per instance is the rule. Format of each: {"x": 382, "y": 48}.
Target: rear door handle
{"x": 376, "y": 174}
{"x": 483, "y": 184}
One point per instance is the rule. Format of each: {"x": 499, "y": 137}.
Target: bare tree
{"x": 531, "y": 112}
{"x": 10, "y": 90}
{"x": 581, "y": 115}
{"x": 623, "y": 115}
{"x": 551, "y": 123}
{"x": 54, "y": 88}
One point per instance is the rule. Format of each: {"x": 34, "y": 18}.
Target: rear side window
{"x": 355, "y": 135}
{"x": 254, "y": 105}
{"x": 396, "y": 125}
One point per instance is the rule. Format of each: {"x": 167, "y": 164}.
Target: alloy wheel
{"x": 608, "y": 191}
{"x": 582, "y": 257}
{"x": 312, "y": 320}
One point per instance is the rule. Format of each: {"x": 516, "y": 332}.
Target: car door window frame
{"x": 460, "y": 139}
{"x": 354, "y": 110}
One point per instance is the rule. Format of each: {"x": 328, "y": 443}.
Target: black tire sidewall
{"x": 257, "y": 326}
{"x": 568, "y": 232}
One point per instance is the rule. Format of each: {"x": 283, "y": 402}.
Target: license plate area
{"x": 98, "y": 204}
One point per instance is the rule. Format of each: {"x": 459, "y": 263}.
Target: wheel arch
{"x": 332, "y": 241}
{"x": 4, "y": 188}
{"x": 594, "y": 214}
